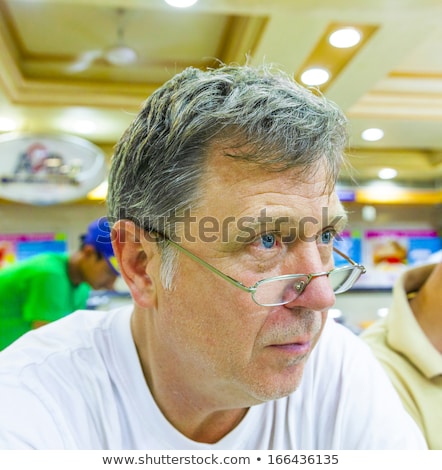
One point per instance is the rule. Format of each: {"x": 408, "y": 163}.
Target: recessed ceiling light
{"x": 368, "y": 213}
{"x": 372, "y": 134}
{"x": 387, "y": 173}
{"x": 7, "y": 124}
{"x": 181, "y": 3}
{"x": 84, "y": 126}
{"x": 73, "y": 124}
{"x": 345, "y": 37}
{"x": 315, "y": 76}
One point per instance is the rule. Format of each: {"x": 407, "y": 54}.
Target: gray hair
{"x": 260, "y": 112}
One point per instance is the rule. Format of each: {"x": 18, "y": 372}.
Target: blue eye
{"x": 268, "y": 240}
{"x": 327, "y": 236}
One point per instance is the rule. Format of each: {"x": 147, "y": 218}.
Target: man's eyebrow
{"x": 266, "y": 221}
{"x": 245, "y": 228}
{"x": 334, "y": 218}
{"x": 258, "y": 224}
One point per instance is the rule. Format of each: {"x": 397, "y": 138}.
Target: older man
{"x": 224, "y": 211}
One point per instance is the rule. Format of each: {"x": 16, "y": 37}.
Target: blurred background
{"x": 74, "y": 73}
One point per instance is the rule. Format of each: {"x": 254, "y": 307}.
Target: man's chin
{"x": 280, "y": 386}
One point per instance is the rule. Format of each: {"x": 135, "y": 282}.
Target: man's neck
{"x": 184, "y": 403}
{"x": 74, "y": 273}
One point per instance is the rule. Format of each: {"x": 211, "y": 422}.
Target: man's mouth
{"x": 297, "y": 348}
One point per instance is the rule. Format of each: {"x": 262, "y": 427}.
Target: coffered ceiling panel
{"x": 62, "y": 66}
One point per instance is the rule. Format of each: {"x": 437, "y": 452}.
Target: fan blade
{"x": 85, "y": 61}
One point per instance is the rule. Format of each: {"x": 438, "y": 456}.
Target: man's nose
{"x": 318, "y": 293}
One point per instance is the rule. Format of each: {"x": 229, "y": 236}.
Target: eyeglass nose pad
{"x": 300, "y": 286}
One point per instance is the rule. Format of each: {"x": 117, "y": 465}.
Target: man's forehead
{"x": 282, "y": 216}
{"x": 245, "y": 186}
{"x": 236, "y": 188}
{"x": 232, "y": 220}
{"x": 237, "y": 167}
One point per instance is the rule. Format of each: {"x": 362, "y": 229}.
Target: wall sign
{"x": 387, "y": 252}
{"x": 48, "y": 169}
{"x": 19, "y": 246}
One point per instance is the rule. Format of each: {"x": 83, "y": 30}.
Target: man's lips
{"x": 298, "y": 348}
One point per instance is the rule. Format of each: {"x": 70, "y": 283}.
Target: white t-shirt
{"x": 77, "y": 384}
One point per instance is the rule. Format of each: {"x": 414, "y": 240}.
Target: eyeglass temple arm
{"x": 347, "y": 258}
{"x": 230, "y": 279}
{"x": 209, "y": 266}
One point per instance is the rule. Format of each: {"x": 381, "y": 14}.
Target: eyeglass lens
{"x": 271, "y": 292}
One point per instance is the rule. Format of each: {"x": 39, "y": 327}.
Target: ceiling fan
{"x": 118, "y": 54}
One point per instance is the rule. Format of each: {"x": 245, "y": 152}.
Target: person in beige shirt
{"x": 408, "y": 342}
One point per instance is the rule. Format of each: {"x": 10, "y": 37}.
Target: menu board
{"x": 387, "y": 252}
{"x": 350, "y": 243}
{"x": 16, "y": 247}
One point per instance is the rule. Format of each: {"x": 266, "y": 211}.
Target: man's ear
{"x": 135, "y": 257}
{"x": 89, "y": 251}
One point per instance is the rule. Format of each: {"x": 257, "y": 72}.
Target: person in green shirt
{"x": 49, "y": 286}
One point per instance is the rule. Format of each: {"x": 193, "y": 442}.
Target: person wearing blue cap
{"x": 49, "y": 286}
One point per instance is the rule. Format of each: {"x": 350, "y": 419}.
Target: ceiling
{"x": 54, "y": 78}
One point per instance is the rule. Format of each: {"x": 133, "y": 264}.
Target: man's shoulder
{"x": 338, "y": 337}
{"x": 49, "y": 261}
{"x": 62, "y": 378}
{"x": 83, "y": 330}
{"x": 344, "y": 376}
{"x": 338, "y": 352}
{"x": 41, "y": 263}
